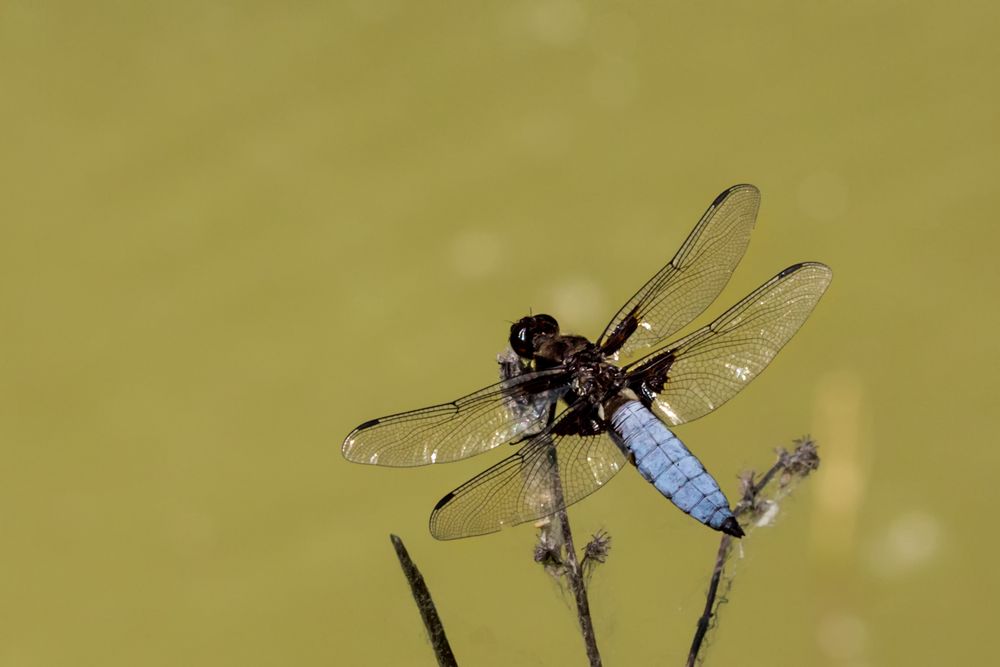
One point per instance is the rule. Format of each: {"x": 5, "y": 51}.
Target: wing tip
{"x": 819, "y": 267}
{"x": 432, "y": 523}
{"x": 744, "y": 187}
{"x": 347, "y": 449}
{"x": 444, "y": 501}
{"x": 443, "y": 529}
{"x": 787, "y": 271}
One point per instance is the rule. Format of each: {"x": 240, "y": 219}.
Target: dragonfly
{"x": 580, "y": 411}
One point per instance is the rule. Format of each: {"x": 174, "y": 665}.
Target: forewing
{"x": 521, "y": 487}
{"x": 501, "y": 413}
{"x": 693, "y": 278}
{"x": 700, "y": 372}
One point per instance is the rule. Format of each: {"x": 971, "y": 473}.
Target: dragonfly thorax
{"x": 597, "y": 381}
{"x": 593, "y": 377}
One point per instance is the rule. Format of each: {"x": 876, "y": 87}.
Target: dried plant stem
{"x": 574, "y": 573}
{"x": 428, "y": 612}
{"x": 793, "y": 467}
{"x": 705, "y": 620}
{"x": 511, "y": 365}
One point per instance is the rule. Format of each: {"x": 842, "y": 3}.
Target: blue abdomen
{"x": 668, "y": 465}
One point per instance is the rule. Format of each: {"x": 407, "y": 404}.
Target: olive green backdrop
{"x": 230, "y": 232}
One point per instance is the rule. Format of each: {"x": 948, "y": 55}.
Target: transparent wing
{"x": 501, "y": 413}
{"x": 693, "y": 278}
{"x": 700, "y": 372}
{"x": 522, "y": 487}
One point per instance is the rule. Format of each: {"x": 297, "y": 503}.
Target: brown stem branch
{"x": 574, "y": 573}
{"x": 704, "y": 622}
{"x": 428, "y": 612}
{"x": 792, "y": 467}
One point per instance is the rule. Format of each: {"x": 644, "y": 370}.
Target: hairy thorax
{"x": 594, "y": 378}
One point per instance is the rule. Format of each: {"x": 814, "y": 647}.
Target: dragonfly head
{"x": 523, "y": 332}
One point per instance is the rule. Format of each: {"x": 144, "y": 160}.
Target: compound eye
{"x": 546, "y": 324}
{"x": 520, "y": 341}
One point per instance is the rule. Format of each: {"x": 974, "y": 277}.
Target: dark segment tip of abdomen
{"x": 732, "y": 527}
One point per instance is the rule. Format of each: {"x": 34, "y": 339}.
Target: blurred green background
{"x": 230, "y": 232}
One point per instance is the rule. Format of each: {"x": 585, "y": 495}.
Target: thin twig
{"x": 573, "y": 571}
{"x": 704, "y": 622}
{"x": 428, "y": 612}
{"x": 549, "y": 551}
{"x": 793, "y": 467}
